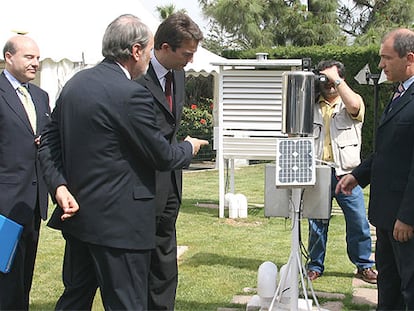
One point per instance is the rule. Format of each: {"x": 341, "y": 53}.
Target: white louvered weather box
{"x": 249, "y": 113}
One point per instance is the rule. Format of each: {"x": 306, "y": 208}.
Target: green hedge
{"x": 354, "y": 59}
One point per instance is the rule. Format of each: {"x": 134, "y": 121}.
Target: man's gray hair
{"x": 120, "y": 36}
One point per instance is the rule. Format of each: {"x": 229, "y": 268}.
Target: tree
{"x": 246, "y": 24}
{"x": 166, "y": 10}
{"x": 316, "y": 25}
{"x": 256, "y": 23}
{"x": 218, "y": 40}
{"x": 368, "y": 20}
{"x": 242, "y": 19}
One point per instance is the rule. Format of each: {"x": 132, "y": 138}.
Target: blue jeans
{"x": 358, "y": 236}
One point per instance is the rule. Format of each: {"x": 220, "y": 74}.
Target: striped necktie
{"x": 399, "y": 91}
{"x": 28, "y": 106}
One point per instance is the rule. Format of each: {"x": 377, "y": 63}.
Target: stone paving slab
{"x": 333, "y": 306}
{"x": 241, "y": 299}
{"x": 364, "y": 293}
{"x": 181, "y": 250}
{"x": 365, "y": 296}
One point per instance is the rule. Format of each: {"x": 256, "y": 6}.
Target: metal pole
{"x": 374, "y": 77}
{"x": 295, "y": 251}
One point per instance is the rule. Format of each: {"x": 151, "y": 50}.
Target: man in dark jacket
{"x": 175, "y": 43}
{"x": 390, "y": 172}
{"x": 103, "y": 146}
{"x": 23, "y": 193}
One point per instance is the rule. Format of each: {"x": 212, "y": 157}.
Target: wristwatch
{"x": 337, "y": 82}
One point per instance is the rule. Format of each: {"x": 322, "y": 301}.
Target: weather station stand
{"x": 286, "y": 296}
{"x": 297, "y": 188}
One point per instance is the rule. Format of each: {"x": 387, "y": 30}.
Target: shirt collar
{"x": 13, "y": 81}
{"x": 322, "y": 100}
{"x": 124, "y": 70}
{"x": 159, "y": 69}
{"x": 407, "y": 83}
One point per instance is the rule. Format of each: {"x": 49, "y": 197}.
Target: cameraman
{"x": 338, "y": 117}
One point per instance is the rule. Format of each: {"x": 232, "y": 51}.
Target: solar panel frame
{"x": 295, "y": 163}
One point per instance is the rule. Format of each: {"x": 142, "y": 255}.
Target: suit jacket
{"x": 22, "y": 187}
{"x": 104, "y": 143}
{"x": 390, "y": 169}
{"x": 168, "y": 122}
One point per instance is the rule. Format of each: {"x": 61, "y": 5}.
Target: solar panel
{"x": 295, "y": 164}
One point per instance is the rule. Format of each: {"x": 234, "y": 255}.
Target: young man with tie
{"x": 175, "y": 42}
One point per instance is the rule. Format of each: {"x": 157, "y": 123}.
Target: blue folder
{"x": 10, "y": 232}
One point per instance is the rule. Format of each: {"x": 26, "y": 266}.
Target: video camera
{"x": 320, "y": 78}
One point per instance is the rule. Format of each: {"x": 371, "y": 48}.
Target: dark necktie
{"x": 397, "y": 94}
{"x": 168, "y": 95}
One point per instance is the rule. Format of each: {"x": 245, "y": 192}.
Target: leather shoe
{"x": 368, "y": 275}
{"x": 313, "y": 275}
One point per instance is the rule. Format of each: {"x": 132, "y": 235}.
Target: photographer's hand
{"x": 353, "y": 101}
{"x": 332, "y": 74}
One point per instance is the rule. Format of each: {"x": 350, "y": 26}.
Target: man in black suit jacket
{"x": 23, "y": 193}
{"x": 390, "y": 172}
{"x": 175, "y": 43}
{"x": 103, "y": 147}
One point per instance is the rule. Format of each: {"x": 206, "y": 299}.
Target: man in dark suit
{"x": 103, "y": 147}
{"x": 23, "y": 193}
{"x": 175, "y": 43}
{"x": 390, "y": 172}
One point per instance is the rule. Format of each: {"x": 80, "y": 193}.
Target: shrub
{"x": 197, "y": 121}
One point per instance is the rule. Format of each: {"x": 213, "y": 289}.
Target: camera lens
{"x": 322, "y": 78}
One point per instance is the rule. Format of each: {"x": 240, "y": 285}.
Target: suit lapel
{"x": 397, "y": 106}
{"x": 41, "y": 102}
{"x": 153, "y": 85}
{"x": 13, "y": 101}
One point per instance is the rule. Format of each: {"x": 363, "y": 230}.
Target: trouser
{"x": 15, "y": 286}
{"x": 358, "y": 236}
{"x": 163, "y": 278}
{"x": 395, "y": 265}
{"x": 122, "y": 276}
{"x": 79, "y": 277}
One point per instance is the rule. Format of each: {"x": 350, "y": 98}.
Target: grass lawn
{"x": 223, "y": 254}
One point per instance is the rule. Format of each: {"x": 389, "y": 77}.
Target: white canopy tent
{"x": 69, "y": 35}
